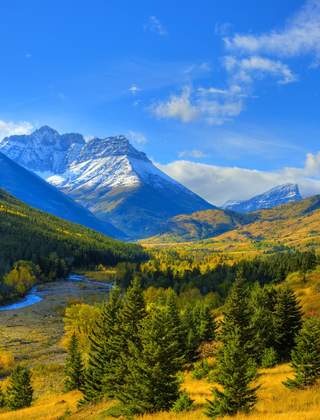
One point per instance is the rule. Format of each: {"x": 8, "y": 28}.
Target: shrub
{"x": 269, "y": 358}
{"x": 6, "y": 362}
{"x": 200, "y": 369}
{"x": 183, "y": 403}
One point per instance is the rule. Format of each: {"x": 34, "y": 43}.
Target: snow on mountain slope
{"x": 278, "y": 195}
{"x": 108, "y": 176}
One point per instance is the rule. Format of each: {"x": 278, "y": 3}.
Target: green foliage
{"x": 2, "y": 399}
{"x": 269, "y": 358}
{"x": 235, "y": 368}
{"x": 200, "y": 369}
{"x": 151, "y": 381}
{"x": 102, "y": 351}
{"x": 19, "y": 392}
{"x": 235, "y": 371}
{"x": 305, "y": 357}
{"x": 54, "y": 245}
{"x": 73, "y": 367}
{"x": 287, "y": 322}
{"x": 184, "y": 403}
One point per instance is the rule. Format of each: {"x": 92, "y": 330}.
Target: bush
{"x": 200, "y": 369}
{"x": 6, "y": 362}
{"x": 183, "y": 403}
{"x": 269, "y": 358}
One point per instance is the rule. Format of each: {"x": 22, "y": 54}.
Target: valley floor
{"x": 275, "y": 402}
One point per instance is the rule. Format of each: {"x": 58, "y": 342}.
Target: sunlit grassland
{"x": 274, "y": 402}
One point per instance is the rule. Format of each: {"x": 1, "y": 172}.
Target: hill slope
{"x": 108, "y": 176}
{"x": 36, "y": 192}
{"x": 29, "y": 234}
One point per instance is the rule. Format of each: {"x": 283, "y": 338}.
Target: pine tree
{"x": 235, "y": 371}
{"x": 126, "y": 330}
{"x": 237, "y": 313}
{"x": 287, "y": 322}
{"x": 151, "y": 381}
{"x": 74, "y": 366}
{"x": 19, "y": 392}
{"x": 305, "y": 357}
{"x": 101, "y": 353}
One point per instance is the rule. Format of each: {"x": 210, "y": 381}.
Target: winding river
{"x": 35, "y": 296}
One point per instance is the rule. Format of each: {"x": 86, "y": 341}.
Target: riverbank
{"x": 33, "y": 332}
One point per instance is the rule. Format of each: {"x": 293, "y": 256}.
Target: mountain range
{"x": 107, "y": 176}
{"x": 278, "y": 195}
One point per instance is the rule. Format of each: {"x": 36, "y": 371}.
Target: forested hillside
{"x": 54, "y": 245}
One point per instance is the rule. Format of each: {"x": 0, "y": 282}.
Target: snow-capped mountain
{"x": 36, "y": 192}
{"x": 278, "y": 195}
{"x": 108, "y": 176}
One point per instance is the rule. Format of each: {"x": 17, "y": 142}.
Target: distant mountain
{"x": 36, "y": 192}
{"x": 108, "y": 176}
{"x": 199, "y": 225}
{"x": 281, "y": 194}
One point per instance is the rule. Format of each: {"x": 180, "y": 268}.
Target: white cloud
{"x": 9, "y": 128}
{"x": 197, "y": 154}
{"x": 137, "y": 137}
{"x": 154, "y": 25}
{"x": 196, "y": 104}
{"x": 217, "y": 184}
{"x": 300, "y": 36}
{"x": 134, "y": 89}
{"x": 245, "y": 70}
{"x": 177, "y": 106}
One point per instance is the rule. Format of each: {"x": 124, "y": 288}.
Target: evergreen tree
{"x": 19, "y": 392}
{"x": 287, "y": 322}
{"x": 305, "y": 357}
{"x": 74, "y": 366}
{"x": 2, "y": 399}
{"x": 237, "y": 313}
{"x": 131, "y": 313}
{"x": 151, "y": 381}
{"x": 101, "y": 353}
{"x": 235, "y": 371}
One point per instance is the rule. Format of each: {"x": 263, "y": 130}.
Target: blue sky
{"x": 222, "y": 94}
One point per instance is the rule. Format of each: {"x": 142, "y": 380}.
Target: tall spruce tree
{"x": 235, "y": 372}
{"x": 101, "y": 353}
{"x": 235, "y": 368}
{"x": 19, "y": 392}
{"x": 151, "y": 380}
{"x": 74, "y": 367}
{"x": 305, "y": 357}
{"x": 287, "y": 322}
{"x": 237, "y": 313}
{"x": 126, "y": 330}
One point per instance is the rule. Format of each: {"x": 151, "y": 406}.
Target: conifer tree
{"x": 101, "y": 353}
{"x": 235, "y": 371}
{"x": 19, "y": 392}
{"x": 151, "y": 381}
{"x": 305, "y": 357}
{"x": 287, "y": 322}
{"x": 237, "y": 313}
{"x": 74, "y": 366}
{"x": 126, "y": 330}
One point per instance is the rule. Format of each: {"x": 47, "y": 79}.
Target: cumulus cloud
{"x": 218, "y": 184}
{"x": 154, "y": 25}
{"x": 192, "y": 104}
{"x": 250, "y": 58}
{"x": 9, "y": 128}
{"x": 246, "y": 70}
{"x": 300, "y": 36}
